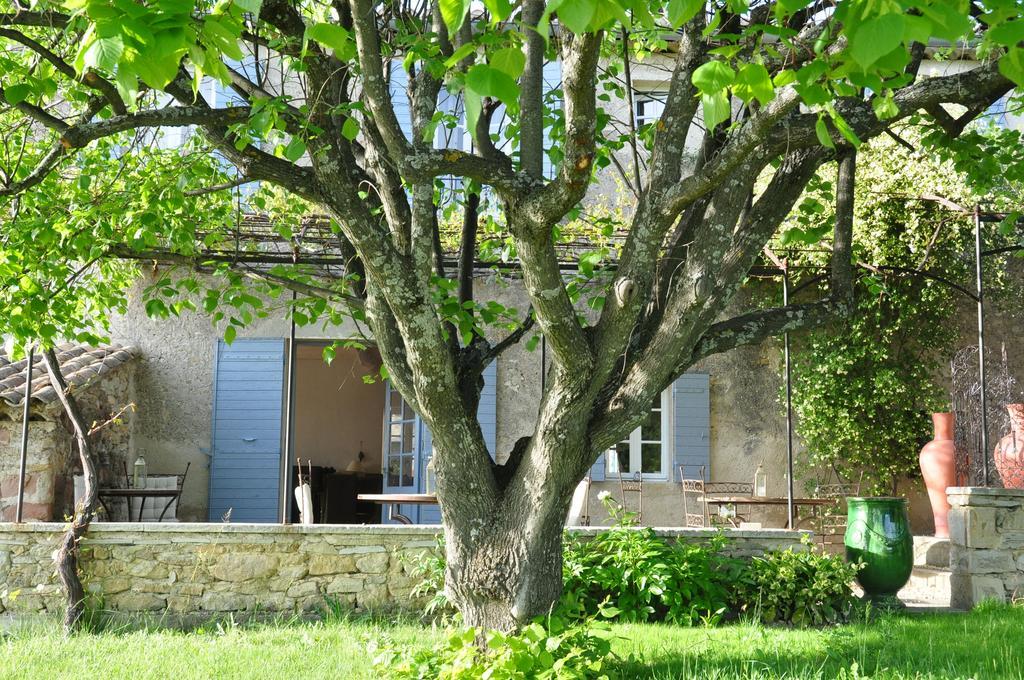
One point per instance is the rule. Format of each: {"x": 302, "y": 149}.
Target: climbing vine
{"x": 862, "y": 391}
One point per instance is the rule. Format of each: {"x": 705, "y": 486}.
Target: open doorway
{"x": 338, "y": 429}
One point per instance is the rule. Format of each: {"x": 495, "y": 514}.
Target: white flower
{"x": 604, "y": 495}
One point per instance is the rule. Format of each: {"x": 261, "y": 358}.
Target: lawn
{"x": 984, "y": 644}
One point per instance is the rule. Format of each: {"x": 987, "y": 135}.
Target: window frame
{"x": 648, "y": 96}
{"x": 611, "y": 461}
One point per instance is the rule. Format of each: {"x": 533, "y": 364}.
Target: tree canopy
{"x": 756, "y": 97}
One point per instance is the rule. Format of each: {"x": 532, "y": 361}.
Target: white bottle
{"x": 760, "y": 481}
{"x": 139, "y": 476}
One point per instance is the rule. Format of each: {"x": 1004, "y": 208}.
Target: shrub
{"x": 803, "y": 588}
{"x": 546, "y": 649}
{"x": 633, "y": 574}
{"x": 429, "y": 566}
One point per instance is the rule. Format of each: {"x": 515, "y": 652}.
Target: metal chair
{"x": 634, "y": 486}
{"x": 829, "y": 521}
{"x": 730, "y": 518}
{"x": 695, "y": 505}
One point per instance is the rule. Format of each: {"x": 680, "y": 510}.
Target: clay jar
{"x": 938, "y": 467}
{"x": 1009, "y": 453}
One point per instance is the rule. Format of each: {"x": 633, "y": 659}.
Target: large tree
{"x": 774, "y": 89}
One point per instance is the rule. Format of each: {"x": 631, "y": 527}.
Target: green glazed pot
{"x": 878, "y": 533}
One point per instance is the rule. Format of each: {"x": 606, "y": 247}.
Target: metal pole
{"x": 789, "y": 409}
{"x": 289, "y": 437}
{"x": 981, "y": 345}
{"x": 24, "y": 435}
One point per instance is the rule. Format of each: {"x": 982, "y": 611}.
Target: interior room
{"x": 338, "y": 426}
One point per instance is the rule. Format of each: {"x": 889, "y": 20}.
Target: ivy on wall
{"x": 863, "y": 391}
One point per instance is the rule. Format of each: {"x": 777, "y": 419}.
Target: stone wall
{"x": 52, "y": 459}
{"x": 986, "y": 529}
{"x": 192, "y": 569}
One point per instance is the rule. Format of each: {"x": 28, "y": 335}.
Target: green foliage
{"x": 547, "y": 649}
{"x": 429, "y": 567}
{"x": 805, "y": 588}
{"x": 863, "y": 390}
{"x": 629, "y": 573}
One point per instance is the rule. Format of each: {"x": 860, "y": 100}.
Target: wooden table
{"x": 170, "y": 494}
{"x": 767, "y": 500}
{"x": 393, "y": 500}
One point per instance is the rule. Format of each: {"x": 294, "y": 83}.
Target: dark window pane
{"x": 408, "y": 478}
{"x": 622, "y": 453}
{"x": 650, "y": 457}
{"x": 396, "y": 405}
{"x": 396, "y": 445}
{"x": 408, "y": 436}
{"x": 393, "y": 476}
{"x": 650, "y": 428}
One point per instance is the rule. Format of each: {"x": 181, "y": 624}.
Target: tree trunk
{"x": 501, "y": 576}
{"x": 66, "y": 556}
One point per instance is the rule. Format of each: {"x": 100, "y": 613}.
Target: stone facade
{"x": 52, "y": 459}
{"x": 195, "y": 569}
{"x": 986, "y": 529}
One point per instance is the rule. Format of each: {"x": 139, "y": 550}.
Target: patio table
{"x": 170, "y": 494}
{"x": 394, "y": 500}
{"x": 767, "y": 500}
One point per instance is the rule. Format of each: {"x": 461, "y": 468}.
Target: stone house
{"x": 242, "y": 414}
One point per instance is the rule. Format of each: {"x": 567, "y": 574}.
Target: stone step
{"x": 928, "y": 585}
{"x": 931, "y": 552}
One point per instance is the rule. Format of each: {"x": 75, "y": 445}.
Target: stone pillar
{"x": 986, "y": 530}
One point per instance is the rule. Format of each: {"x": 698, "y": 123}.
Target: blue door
{"x": 248, "y": 401}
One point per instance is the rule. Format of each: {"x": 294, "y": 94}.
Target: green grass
{"x": 987, "y": 643}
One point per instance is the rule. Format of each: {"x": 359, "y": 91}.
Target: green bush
{"x": 633, "y": 574}
{"x": 803, "y": 588}
{"x": 547, "y": 649}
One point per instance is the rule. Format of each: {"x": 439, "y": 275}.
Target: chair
{"x": 159, "y": 509}
{"x": 829, "y": 521}
{"x": 728, "y": 489}
{"x": 695, "y": 506}
{"x": 579, "y": 506}
{"x": 628, "y": 487}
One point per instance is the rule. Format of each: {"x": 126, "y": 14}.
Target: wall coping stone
{"x": 359, "y": 529}
{"x": 984, "y": 491}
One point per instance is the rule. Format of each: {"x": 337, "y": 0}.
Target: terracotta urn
{"x": 938, "y": 467}
{"x": 1009, "y": 453}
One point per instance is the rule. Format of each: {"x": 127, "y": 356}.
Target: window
{"x": 648, "y": 107}
{"x": 647, "y": 449}
{"x": 997, "y": 113}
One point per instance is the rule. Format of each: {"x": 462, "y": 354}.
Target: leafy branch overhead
{"x": 397, "y": 150}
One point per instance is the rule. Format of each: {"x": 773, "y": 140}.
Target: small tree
{"x": 774, "y": 89}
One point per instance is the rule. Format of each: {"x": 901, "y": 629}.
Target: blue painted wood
{"x": 245, "y": 467}
{"x": 691, "y": 425}
{"x": 400, "y": 448}
{"x": 487, "y": 409}
{"x": 399, "y": 87}
{"x": 552, "y": 83}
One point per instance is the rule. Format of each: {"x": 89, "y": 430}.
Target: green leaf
{"x": 576, "y": 15}
{"x": 1011, "y": 65}
{"x": 821, "y": 130}
{"x": 350, "y": 128}
{"x": 716, "y": 108}
{"x": 510, "y": 60}
{"x": 474, "y": 105}
{"x": 876, "y": 38}
{"x": 454, "y": 13}
{"x": 487, "y": 81}
{"x": 251, "y": 6}
{"x": 15, "y": 94}
{"x": 229, "y": 334}
{"x": 1008, "y": 33}
{"x": 295, "y": 148}
{"x": 499, "y": 9}
{"x": 104, "y": 54}
{"x": 754, "y": 82}
{"x": 713, "y": 77}
{"x": 334, "y": 37}
{"x": 460, "y": 54}
{"x": 681, "y": 11}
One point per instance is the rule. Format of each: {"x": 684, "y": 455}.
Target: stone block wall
{"x": 204, "y": 569}
{"x": 986, "y": 530}
{"x": 48, "y": 447}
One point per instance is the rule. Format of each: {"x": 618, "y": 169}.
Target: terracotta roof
{"x": 80, "y": 364}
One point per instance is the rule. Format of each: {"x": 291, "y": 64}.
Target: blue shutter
{"x": 552, "y": 82}
{"x": 597, "y": 469}
{"x": 691, "y": 406}
{"x": 487, "y": 409}
{"x": 400, "y": 96}
{"x": 245, "y": 469}
{"x": 427, "y": 514}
